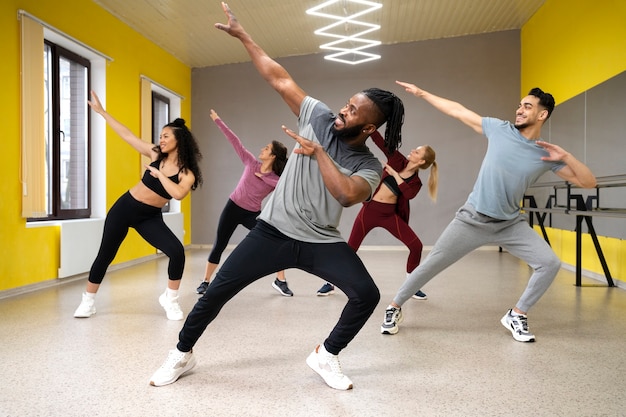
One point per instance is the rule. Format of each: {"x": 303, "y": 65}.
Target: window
{"x": 160, "y": 117}
{"x": 67, "y": 138}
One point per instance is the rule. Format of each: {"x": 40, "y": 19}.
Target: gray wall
{"x": 482, "y": 72}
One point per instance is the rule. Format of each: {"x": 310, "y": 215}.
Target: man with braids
{"x": 330, "y": 168}
{"x": 516, "y": 157}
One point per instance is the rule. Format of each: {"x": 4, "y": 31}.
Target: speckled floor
{"x": 451, "y": 357}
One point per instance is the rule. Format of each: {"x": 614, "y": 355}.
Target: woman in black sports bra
{"x": 173, "y": 173}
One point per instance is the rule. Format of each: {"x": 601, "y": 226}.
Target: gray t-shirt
{"x": 301, "y": 206}
{"x": 511, "y": 165}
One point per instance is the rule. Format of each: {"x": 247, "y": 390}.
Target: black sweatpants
{"x": 264, "y": 251}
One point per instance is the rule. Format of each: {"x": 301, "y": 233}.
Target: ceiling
{"x": 185, "y": 28}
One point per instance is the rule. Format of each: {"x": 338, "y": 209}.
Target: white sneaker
{"x": 176, "y": 364}
{"x": 393, "y": 317}
{"x": 518, "y": 326}
{"x": 87, "y": 307}
{"x": 328, "y": 367}
{"x": 171, "y": 307}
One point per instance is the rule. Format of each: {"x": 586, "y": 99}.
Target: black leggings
{"x": 264, "y": 251}
{"x": 231, "y": 217}
{"x": 148, "y": 222}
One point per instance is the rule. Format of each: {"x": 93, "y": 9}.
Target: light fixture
{"x": 345, "y": 44}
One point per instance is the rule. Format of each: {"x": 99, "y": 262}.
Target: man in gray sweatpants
{"x": 516, "y": 157}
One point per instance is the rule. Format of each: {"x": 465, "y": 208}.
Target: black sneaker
{"x": 282, "y": 288}
{"x": 419, "y": 295}
{"x": 327, "y": 289}
{"x": 202, "y": 288}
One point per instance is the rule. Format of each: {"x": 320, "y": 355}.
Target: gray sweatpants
{"x": 470, "y": 230}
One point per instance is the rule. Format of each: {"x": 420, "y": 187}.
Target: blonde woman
{"x": 389, "y": 208}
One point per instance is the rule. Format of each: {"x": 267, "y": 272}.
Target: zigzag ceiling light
{"x": 347, "y": 45}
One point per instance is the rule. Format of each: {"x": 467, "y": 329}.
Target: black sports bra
{"x": 392, "y": 184}
{"x": 154, "y": 184}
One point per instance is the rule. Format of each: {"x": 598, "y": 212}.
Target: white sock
{"x": 90, "y": 295}
{"x": 171, "y": 293}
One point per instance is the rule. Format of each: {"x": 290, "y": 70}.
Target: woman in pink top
{"x": 259, "y": 178}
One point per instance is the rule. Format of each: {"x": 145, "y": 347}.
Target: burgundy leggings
{"x": 375, "y": 214}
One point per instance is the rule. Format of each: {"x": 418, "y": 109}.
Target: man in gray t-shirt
{"x": 330, "y": 168}
{"x": 516, "y": 157}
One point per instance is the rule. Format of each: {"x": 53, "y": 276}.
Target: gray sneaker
{"x": 518, "y": 325}
{"x": 393, "y": 317}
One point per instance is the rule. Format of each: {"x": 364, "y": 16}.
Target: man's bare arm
{"x": 270, "y": 70}
{"x": 348, "y": 190}
{"x": 449, "y": 107}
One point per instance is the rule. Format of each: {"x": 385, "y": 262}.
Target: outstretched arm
{"x": 142, "y": 147}
{"x": 245, "y": 155}
{"x": 348, "y": 190}
{"x": 451, "y": 108}
{"x": 270, "y": 70}
{"x": 574, "y": 171}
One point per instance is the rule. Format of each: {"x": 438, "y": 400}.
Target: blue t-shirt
{"x": 301, "y": 206}
{"x": 511, "y": 165}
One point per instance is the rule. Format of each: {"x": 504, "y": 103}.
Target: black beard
{"x": 521, "y": 126}
{"x": 347, "y": 132}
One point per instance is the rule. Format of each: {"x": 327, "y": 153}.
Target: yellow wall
{"x": 568, "y": 47}
{"x": 31, "y": 255}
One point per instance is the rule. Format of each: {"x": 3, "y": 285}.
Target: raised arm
{"x": 451, "y": 108}
{"x": 347, "y": 190}
{"x": 270, "y": 70}
{"x": 142, "y": 147}
{"x": 245, "y": 155}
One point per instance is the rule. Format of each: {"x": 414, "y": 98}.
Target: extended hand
{"x": 308, "y": 147}
{"x": 233, "y": 28}
{"x": 153, "y": 171}
{"x": 556, "y": 152}
{"x": 411, "y": 88}
{"x": 95, "y": 104}
{"x": 392, "y": 172}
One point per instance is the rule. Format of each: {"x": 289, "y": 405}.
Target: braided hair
{"x": 392, "y": 110}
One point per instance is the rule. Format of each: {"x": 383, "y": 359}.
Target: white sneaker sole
{"x": 392, "y": 330}
{"x": 84, "y": 315}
